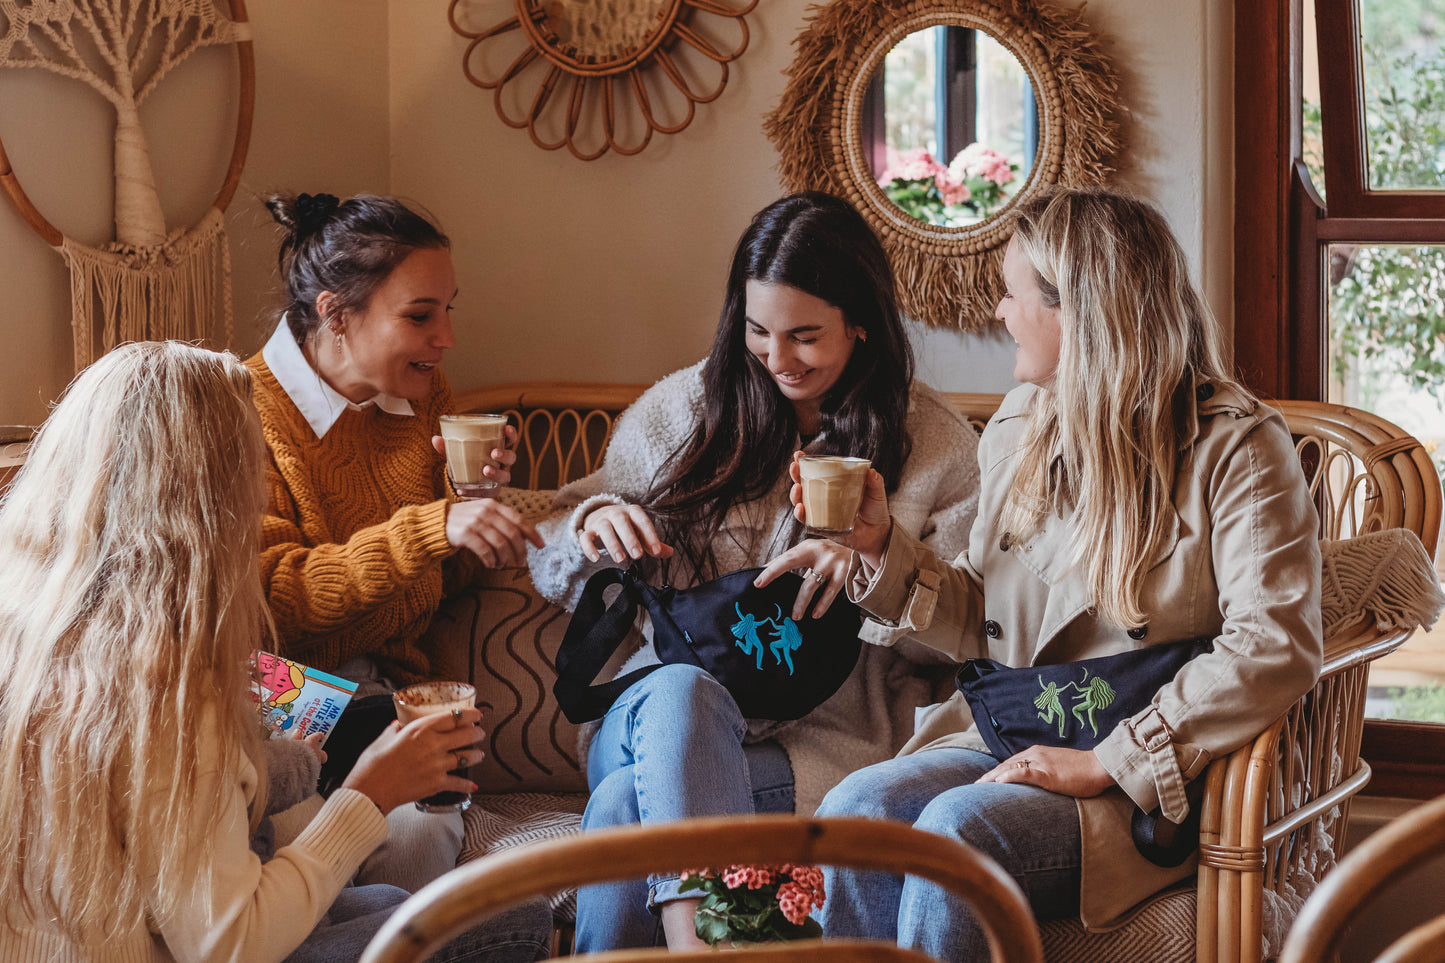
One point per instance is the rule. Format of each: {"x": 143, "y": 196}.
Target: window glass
{"x": 1403, "y": 48}
{"x": 1387, "y": 344}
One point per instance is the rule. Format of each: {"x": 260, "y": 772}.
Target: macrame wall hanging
{"x": 149, "y": 283}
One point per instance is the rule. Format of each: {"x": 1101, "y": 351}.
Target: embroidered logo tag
{"x": 787, "y": 637}
{"x": 1092, "y": 695}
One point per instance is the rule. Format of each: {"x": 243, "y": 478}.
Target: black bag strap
{"x": 592, "y": 637}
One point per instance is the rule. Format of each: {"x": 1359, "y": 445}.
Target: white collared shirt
{"x": 319, "y": 403}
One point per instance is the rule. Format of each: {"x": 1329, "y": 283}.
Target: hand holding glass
{"x": 428, "y": 698}
{"x": 470, "y": 440}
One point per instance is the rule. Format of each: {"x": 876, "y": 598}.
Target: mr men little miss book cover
{"x": 297, "y": 700}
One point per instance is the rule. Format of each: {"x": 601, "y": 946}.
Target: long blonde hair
{"x": 1104, "y": 435}
{"x": 129, "y": 601}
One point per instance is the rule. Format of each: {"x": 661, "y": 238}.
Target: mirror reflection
{"x": 951, "y": 125}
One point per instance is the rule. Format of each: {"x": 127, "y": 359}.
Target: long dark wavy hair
{"x": 819, "y": 244}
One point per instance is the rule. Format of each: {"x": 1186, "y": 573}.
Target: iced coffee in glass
{"x": 429, "y": 698}
{"x": 470, "y": 441}
{"x": 832, "y": 491}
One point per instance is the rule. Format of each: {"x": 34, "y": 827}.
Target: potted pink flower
{"x": 756, "y": 904}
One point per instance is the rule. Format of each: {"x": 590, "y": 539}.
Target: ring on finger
{"x": 456, "y": 718}
{"x": 821, "y": 578}
{"x": 461, "y": 760}
{"x": 1022, "y": 764}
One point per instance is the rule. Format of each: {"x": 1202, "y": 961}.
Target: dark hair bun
{"x": 314, "y": 210}
{"x": 302, "y": 214}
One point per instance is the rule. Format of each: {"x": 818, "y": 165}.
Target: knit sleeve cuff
{"x": 431, "y": 521}
{"x": 346, "y": 830}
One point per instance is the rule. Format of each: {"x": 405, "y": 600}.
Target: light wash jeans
{"x": 671, "y": 747}
{"x": 1032, "y": 833}
{"x": 522, "y": 934}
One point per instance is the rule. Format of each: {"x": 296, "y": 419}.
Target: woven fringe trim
{"x": 957, "y": 289}
{"x": 1386, "y": 575}
{"x": 175, "y": 291}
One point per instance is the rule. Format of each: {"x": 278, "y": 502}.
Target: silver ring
{"x": 1022, "y": 764}
{"x": 822, "y": 579}
{"x": 456, "y": 718}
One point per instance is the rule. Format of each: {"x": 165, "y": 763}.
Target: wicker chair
{"x": 474, "y": 890}
{"x": 1274, "y": 808}
{"x": 1404, "y": 844}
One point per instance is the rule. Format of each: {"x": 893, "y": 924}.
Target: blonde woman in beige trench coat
{"x": 1132, "y": 494}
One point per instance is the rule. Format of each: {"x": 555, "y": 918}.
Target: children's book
{"x": 297, "y": 700}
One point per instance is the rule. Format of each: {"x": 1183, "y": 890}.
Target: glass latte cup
{"x": 470, "y": 440}
{"x": 429, "y": 698}
{"x": 832, "y": 491}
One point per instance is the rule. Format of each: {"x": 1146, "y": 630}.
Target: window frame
{"x": 1282, "y": 235}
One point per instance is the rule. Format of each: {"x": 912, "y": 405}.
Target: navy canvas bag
{"x": 775, "y": 668}
{"x": 1075, "y": 705}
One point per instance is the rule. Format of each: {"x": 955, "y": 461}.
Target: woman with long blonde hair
{"x": 1133, "y": 494}
{"x": 131, "y": 770}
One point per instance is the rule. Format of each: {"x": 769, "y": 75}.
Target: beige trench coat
{"x": 1242, "y": 566}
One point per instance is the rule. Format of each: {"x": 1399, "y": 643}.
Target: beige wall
{"x": 608, "y": 270}
{"x": 321, "y": 124}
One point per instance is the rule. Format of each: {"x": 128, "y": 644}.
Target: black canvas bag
{"x": 775, "y": 668}
{"x": 1075, "y": 705}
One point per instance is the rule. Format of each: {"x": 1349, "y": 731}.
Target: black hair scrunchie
{"x": 314, "y": 210}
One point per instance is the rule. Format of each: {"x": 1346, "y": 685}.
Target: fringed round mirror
{"x": 934, "y": 118}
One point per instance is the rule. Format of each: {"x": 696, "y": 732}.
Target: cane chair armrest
{"x": 474, "y": 890}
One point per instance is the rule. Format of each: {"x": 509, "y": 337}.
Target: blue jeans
{"x": 1032, "y": 833}
{"x": 671, "y": 747}
{"x": 522, "y": 934}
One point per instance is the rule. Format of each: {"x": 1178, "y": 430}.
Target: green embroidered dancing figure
{"x": 1097, "y": 695}
{"x": 1050, "y": 706}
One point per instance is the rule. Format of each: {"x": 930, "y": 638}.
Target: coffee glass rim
{"x": 463, "y": 689}
{"x": 474, "y": 416}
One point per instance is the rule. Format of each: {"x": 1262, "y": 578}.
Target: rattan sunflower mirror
{"x": 1022, "y": 97}
{"x": 600, "y": 75}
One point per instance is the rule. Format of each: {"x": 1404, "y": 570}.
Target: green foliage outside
{"x": 1420, "y": 703}
{"x": 1387, "y": 303}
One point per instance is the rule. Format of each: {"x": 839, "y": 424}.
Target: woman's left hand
{"x": 504, "y": 457}
{"x": 1071, "y": 772}
{"x": 824, "y": 567}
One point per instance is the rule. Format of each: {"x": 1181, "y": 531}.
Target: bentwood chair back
{"x": 477, "y": 889}
{"x": 1385, "y": 855}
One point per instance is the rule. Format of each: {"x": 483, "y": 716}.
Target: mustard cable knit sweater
{"x": 355, "y": 558}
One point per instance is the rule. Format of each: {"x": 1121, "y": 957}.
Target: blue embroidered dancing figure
{"x": 745, "y": 630}
{"x": 1050, "y": 706}
{"x": 1098, "y": 694}
{"x": 789, "y": 640}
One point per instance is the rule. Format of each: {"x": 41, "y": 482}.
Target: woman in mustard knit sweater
{"x": 133, "y": 767}
{"x": 363, "y": 537}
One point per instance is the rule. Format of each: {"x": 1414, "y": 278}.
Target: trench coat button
{"x": 991, "y": 629}
{"x": 1139, "y": 633}
{"x": 1204, "y": 392}
{"x": 1005, "y": 542}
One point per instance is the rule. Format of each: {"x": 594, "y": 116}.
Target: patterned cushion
{"x": 505, "y": 636}
{"x": 1162, "y": 930}
{"x": 501, "y": 822}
